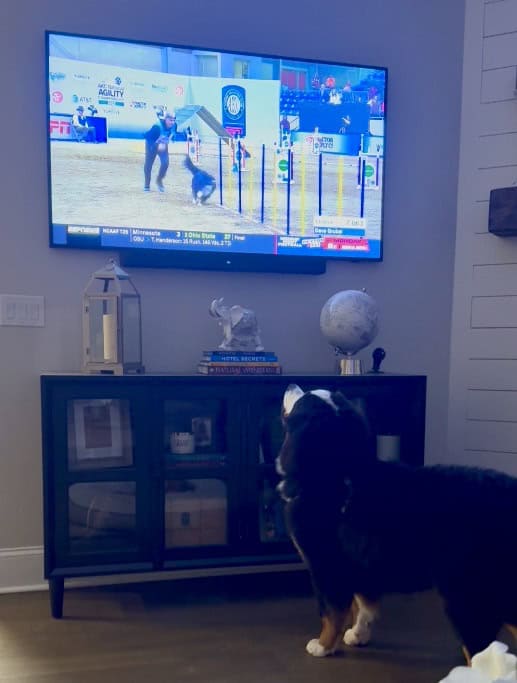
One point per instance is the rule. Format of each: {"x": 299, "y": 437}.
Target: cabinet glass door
{"x": 196, "y": 513}
{"x": 195, "y": 434}
{"x": 102, "y": 476}
{"x": 99, "y": 434}
{"x": 201, "y": 443}
{"x": 102, "y": 516}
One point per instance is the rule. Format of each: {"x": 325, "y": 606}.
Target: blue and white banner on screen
{"x": 327, "y": 143}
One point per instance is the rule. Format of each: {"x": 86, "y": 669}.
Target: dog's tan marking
{"x": 513, "y": 630}
{"x": 332, "y": 629}
{"x": 467, "y": 656}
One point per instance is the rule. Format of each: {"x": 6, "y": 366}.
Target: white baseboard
{"x": 21, "y": 570}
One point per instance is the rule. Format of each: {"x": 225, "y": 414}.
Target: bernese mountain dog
{"x": 367, "y": 528}
{"x": 203, "y": 184}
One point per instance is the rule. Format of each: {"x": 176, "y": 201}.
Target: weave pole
{"x": 239, "y": 171}
{"x": 340, "y": 169}
{"x": 363, "y": 169}
{"x": 302, "y": 190}
{"x": 220, "y": 171}
{"x": 262, "y": 183}
{"x": 275, "y": 199}
{"x": 249, "y": 198}
{"x": 288, "y": 208}
{"x": 230, "y": 192}
{"x": 320, "y": 182}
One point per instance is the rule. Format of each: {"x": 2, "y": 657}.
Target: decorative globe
{"x": 349, "y": 321}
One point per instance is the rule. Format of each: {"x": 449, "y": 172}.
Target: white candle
{"x": 109, "y": 333}
{"x": 388, "y": 447}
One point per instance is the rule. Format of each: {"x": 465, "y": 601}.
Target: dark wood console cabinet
{"x": 167, "y": 472}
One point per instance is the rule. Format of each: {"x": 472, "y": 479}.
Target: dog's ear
{"x": 291, "y": 395}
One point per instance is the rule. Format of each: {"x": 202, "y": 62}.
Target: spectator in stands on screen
{"x": 375, "y": 106}
{"x": 285, "y": 126}
{"x": 157, "y": 140}
{"x": 330, "y": 82}
{"x": 334, "y": 96}
{"x": 83, "y": 130}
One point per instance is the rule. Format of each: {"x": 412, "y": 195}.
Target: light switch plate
{"x": 19, "y": 309}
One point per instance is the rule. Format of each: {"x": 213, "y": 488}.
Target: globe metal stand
{"x": 350, "y": 365}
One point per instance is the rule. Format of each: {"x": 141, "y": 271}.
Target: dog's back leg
{"x": 476, "y": 621}
{"x": 365, "y": 613}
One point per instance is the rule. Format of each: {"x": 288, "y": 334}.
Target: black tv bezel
{"x": 211, "y": 260}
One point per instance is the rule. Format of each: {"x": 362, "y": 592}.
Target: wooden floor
{"x": 227, "y": 630}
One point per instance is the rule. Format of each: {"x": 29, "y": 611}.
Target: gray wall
{"x": 421, "y": 44}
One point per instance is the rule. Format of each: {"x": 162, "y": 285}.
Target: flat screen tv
{"x": 206, "y": 158}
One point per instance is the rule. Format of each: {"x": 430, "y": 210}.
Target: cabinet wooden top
{"x": 166, "y": 378}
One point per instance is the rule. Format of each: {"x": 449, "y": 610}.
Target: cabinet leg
{"x": 57, "y": 588}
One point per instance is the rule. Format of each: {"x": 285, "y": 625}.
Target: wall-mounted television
{"x": 203, "y": 158}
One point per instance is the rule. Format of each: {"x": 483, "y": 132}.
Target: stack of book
{"x": 222, "y": 362}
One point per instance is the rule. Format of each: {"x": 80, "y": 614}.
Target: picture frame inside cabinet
{"x": 99, "y": 434}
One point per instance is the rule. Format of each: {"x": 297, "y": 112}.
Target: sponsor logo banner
{"x": 234, "y": 109}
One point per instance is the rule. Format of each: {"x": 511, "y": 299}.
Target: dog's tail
{"x": 188, "y": 163}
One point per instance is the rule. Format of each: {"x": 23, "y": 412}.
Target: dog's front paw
{"x": 355, "y": 637}
{"x": 315, "y": 649}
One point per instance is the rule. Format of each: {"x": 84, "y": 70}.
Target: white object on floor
{"x": 493, "y": 665}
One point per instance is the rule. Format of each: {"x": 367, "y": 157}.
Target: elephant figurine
{"x": 240, "y": 327}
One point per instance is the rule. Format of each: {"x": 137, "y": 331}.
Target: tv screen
{"x": 199, "y": 157}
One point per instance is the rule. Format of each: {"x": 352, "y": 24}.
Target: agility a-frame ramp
{"x": 185, "y": 114}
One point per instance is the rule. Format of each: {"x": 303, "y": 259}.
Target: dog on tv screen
{"x": 367, "y": 528}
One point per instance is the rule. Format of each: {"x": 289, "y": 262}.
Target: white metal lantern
{"x": 112, "y": 327}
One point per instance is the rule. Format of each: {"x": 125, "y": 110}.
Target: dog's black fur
{"x": 203, "y": 184}
{"x": 371, "y": 528}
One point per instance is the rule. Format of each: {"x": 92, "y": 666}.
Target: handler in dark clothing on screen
{"x": 157, "y": 140}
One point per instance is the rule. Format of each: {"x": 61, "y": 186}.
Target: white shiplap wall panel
{"x": 494, "y": 280}
{"x": 487, "y": 179}
{"x": 500, "y": 17}
{"x": 497, "y": 150}
{"x": 504, "y": 462}
{"x": 491, "y": 249}
{"x": 500, "y": 437}
{"x": 492, "y": 343}
{"x": 498, "y": 84}
{"x": 500, "y": 51}
{"x": 494, "y": 311}
{"x": 477, "y": 215}
{"x": 483, "y": 387}
{"x": 499, "y": 117}
{"x": 494, "y": 375}
{"x": 492, "y": 405}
